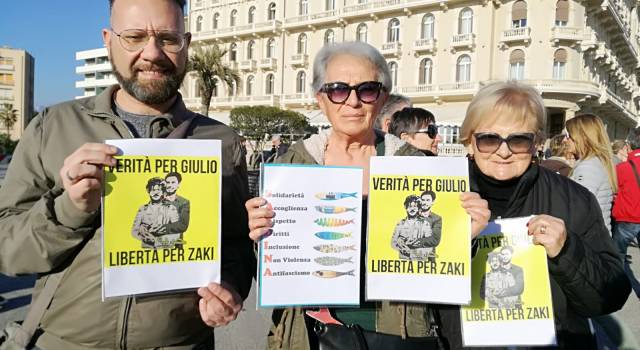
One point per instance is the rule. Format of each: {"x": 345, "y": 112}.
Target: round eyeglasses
{"x": 367, "y": 92}
{"x": 136, "y": 39}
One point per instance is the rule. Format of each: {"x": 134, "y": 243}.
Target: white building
{"x": 95, "y": 70}
{"x": 581, "y": 55}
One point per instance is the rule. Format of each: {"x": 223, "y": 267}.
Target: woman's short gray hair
{"x": 510, "y": 101}
{"x": 351, "y": 48}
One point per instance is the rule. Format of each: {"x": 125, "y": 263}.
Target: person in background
{"x": 351, "y": 82}
{"x": 587, "y": 136}
{"x": 394, "y": 103}
{"x": 503, "y": 123}
{"x": 620, "y": 149}
{"x": 557, "y": 162}
{"x": 417, "y": 127}
{"x": 626, "y": 208}
{"x": 50, "y": 200}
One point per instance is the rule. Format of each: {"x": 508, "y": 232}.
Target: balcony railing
{"x": 425, "y": 45}
{"x": 426, "y": 88}
{"x": 452, "y": 150}
{"x": 516, "y": 34}
{"x": 580, "y": 87}
{"x": 231, "y": 101}
{"x": 6, "y": 67}
{"x": 391, "y": 49}
{"x": 299, "y": 60}
{"x": 299, "y": 98}
{"x": 248, "y": 65}
{"x": 247, "y": 29}
{"x": 467, "y": 40}
{"x": 268, "y": 63}
{"x": 567, "y": 33}
{"x": 460, "y": 85}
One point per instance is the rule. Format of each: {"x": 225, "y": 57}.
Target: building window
{"x": 301, "y": 82}
{"x": 519, "y": 14}
{"x": 216, "y": 19}
{"x": 465, "y": 21}
{"x": 428, "y": 26}
{"x": 393, "y": 31}
{"x": 463, "y": 69}
{"x": 361, "y": 33}
{"x": 304, "y": 7}
{"x": 232, "y": 18}
{"x": 562, "y": 13}
{"x": 249, "y": 86}
{"x": 199, "y": 24}
{"x": 269, "y": 84}
{"x": 196, "y": 89}
{"x": 329, "y": 37}
{"x": 559, "y": 63}
{"x": 393, "y": 69}
{"x": 516, "y": 65}
{"x": 251, "y": 15}
{"x": 271, "y": 48}
{"x": 449, "y": 134}
{"x": 329, "y": 5}
{"x": 234, "y": 88}
{"x": 271, "y": 12}
{"x": 426, "y": 69}
{"x": 233, "y": 52}
{"x": 251, "y": 45}
{"x": 302, "y": 44}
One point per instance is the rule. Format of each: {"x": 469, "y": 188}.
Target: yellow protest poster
{"x": 419, "y": 236}
{"x": 511, "y": 296}
{"x": 161, "y": 216}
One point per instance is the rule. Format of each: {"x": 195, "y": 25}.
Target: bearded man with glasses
{"x": 50, "y": 201}
{"x": 504, "y": 122}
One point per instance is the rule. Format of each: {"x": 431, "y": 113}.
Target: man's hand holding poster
{"x": 418, "y": 246}
{"x": 511, "y": 297}
{"x": 161, "y": 216}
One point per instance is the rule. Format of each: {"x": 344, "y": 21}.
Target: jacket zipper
{"x": 125, "y": 323}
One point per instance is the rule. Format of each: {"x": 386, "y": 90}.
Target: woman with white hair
{"x": 503, "y": 124}
{"x": 351, "y": 82}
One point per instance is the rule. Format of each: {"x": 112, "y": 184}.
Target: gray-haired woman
{"x": 351, "y": 82}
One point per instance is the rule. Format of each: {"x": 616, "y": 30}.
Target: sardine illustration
{"x": 332, "y": 260}
{"x": 333, "y": 222}
{"x": 332, "y": 274}
{"x": 332, "y": 196}
{"x": 328, "y": 209}
{"x": 332, "y": 248}
{"x": 332, "y": 235}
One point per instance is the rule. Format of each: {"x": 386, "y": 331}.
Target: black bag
{"x": 353, "y": 337}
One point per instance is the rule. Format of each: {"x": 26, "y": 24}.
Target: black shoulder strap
{"x": 635, "y": 172}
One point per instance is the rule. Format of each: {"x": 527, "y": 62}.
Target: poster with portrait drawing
{"x": 511, "y": 295}
{"x": 161, "y": 216}
{"x": 418, "y": 242}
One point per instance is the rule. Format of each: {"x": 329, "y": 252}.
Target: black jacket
{"x": 587, "y": 277}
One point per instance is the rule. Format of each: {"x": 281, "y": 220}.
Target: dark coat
{"x": 587, "y": 277}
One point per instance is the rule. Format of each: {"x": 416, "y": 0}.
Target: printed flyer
{"x": 161, "y": 216}
{"x": 419, "y": 239}
{"x": 511, "y": 295}
{"x": 312, "y": 257}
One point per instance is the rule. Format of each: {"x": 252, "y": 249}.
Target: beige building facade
{"x": 581, "y": 55}
{"x": 16, "y": 87}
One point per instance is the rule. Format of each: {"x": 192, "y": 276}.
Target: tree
{"x": 257, "y": 122}
{"x": 209, "y": 68}
{"x": 8, "y": 116}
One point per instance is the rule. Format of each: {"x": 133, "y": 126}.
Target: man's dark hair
{"x": 429, "y": 192}
{"x": 389, "y": 108}
{"x": 155, "y": 181}
{"x": 180, "y": 4}
{"x": 634, "y": 138}
{"x": 410, "y": 120}
{"x": 174, "y": 174}
{"x": 410, "y": 199}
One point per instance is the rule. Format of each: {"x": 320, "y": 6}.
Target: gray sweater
{"x": 592, "y": 174}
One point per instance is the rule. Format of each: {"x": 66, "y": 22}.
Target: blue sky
{"x": 52, "y": 31}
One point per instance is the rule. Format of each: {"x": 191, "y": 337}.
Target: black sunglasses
{"x": 431, "y": 131}
{"x": 367, "y": 92}
{"x": 489, "y": 142}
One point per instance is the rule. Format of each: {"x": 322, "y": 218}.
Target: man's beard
{"x": 154, "y": 91}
